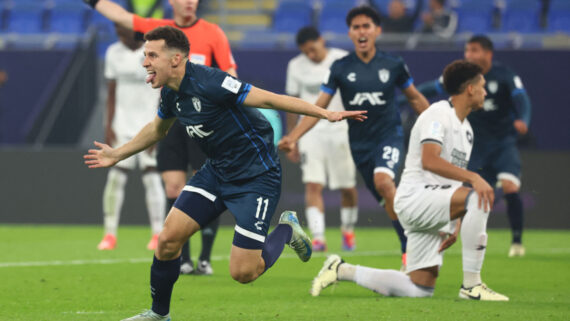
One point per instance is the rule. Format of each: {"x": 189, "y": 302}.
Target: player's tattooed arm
{"x": 106, "y": 156}
{"x": 418, "y": 102}
{"x": 433, "y": 162}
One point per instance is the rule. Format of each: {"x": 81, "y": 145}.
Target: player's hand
{"x": 334, "y": 116}
{"x": 287, "y": 144}
{"x": 102, "y": 157}
{"x": 449, "y": 241}
{"x": 485, "y": 192}
{"x": 520, "y": 126}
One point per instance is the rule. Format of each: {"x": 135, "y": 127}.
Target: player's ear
{"x": 176, "y": 59}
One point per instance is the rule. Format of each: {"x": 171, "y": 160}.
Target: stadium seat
{"x": 25, "y": 17}
{"x": 559, "y": 16}
{"x": 67, "y": 17}
{"x": 333, "y": 16}
{"x": 475, "y": 17}
{"x": 292, "y": 16}
{"x": 522, "y": 21}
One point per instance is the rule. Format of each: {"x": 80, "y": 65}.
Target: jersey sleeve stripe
{"x": 408, "y": 83}
{"x": 327, "y": 90}
{"x": 431, "y": 140}
{"x": 517, "y": 91}
{"x": 161, "y": 115}
{"x": 243, "y": 95}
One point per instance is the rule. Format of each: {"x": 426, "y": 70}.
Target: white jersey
{"x": 136, "y": 103}
{"x": 438, "y": 124}
{"x": 304, "y": 80}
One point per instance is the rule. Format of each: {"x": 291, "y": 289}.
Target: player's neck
{"x": 486, "y": 68}
{"x": 185, "y": 22}
{"x": 461, "y": 107}
{"x": 366, "y": 56}
{"x": 176, "y": 78}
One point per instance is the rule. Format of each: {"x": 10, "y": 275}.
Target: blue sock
{"x": 515, "y": 212}
{"x": 163, "y": 274}
{"x": 275, "y": 243}
{"x": 400, "y": 231}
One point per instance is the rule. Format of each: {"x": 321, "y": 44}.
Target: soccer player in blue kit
{"x": 505, "y": 115}
{"x": 367, "y": 79}
{"x": 242, "y": 173}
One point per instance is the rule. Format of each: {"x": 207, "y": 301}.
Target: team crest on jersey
{"x": 384, "y": 75}
{"x": 493, "y": 86}
{"x": 197, "y": 104}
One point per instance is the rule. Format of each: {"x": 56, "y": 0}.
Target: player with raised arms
{"x": 242, "y": 173}
{"x": 367, "y": 79}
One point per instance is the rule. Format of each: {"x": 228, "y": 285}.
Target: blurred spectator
{"x": 3, "y": 77}
{"x": 397, "y": 20}
{"x": 439, "y": 20}
{"x": 544, "y": 8}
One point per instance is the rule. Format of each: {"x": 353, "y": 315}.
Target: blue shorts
{"x": 385, "y": 157}
{"x": 496, "y": 161}
{"x": 252, "y": 202}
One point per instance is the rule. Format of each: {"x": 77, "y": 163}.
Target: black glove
{"x": 91, "y": 3}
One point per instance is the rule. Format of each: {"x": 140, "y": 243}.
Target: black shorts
{"x": 177, "y": 150}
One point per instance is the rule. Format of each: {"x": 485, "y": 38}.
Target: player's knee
{"x": 173, "y": 189}
{"x": 243, "y": 275}
{"x": 509, "y": 187}
{"x": 168, "y": 246}
{"x": 384, "y": 185}
{"x": 313, "y": 189}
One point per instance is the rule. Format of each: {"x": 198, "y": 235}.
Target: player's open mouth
{"x": 362, "y": 41}
{"x": 150, "y": 77}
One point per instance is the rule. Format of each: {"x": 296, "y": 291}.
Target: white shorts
{"x": 144, "y": 159}
{"x": 326, "y": 155}
{"x": 424, "y": 212}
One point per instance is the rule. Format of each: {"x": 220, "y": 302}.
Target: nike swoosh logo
{"x": 481, "y": 248}
{"x": 472, "y": 297}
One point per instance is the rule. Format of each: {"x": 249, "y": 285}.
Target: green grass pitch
{"x": 56, "y": 273}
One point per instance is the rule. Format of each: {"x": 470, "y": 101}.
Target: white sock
{"x": 346, "y": 272}
{"x": 316, "y": 222}
{"x": 389, "y": 283}
{"x": 474, "y": 239}
{"x": 155, "y": 200}
{"x": 113, "y": 197}
{"x": 348, "y": 218}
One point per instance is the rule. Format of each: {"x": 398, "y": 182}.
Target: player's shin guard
{"x": 163, "y": 275}
{"x": 208, "y": 236}
{"x": 348, "y": 218}
{"x": 155, "y": 200}
{"x": 400, "y": 231}
{"x": 113, "y": 197}
{"x": 316, "y": 222}
{"x": 515, "y": 212}
{"x": 389, "y": 283}
{"x": 275, "y": 243}
{"x": 474, "y": 239}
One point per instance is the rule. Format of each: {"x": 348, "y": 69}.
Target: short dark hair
{"x": 305, "y": 34}
{"x": 458, "y": 75}
{"x": 363, "y": 10}
{"x": 483, "y": 40}
{"x": 173, "y": 38}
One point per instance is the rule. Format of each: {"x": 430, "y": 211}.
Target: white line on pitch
{"x": 284, "y": 256}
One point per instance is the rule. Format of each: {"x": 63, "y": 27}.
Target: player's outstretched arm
{"x": 106, "y": 156}
{"x": 418, "y": 102}
{"x": 431, "y": 161}
{"x": 113, "y": 12}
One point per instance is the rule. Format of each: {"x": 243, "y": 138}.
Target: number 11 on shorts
{"x": 265, "y": 202}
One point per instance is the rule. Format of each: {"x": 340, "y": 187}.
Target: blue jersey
{"x": 495, "y": 120}
{"x": 369, "y": 86}
{"x": 238, "y": 140}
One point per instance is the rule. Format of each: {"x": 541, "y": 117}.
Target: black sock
{"x": 185, "y": 255}
{"x": 163, "y": 275}
{"x": 208, "y": 237}
{"x": 515, "y": 212}
{"x": 400, "y": 231}
{"x": 275, "y": 243}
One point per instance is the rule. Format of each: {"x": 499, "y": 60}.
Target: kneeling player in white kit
{"x": 431, "y": 199}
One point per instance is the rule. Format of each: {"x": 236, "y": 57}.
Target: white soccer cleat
{"x": 481, "y": 292}
{"x": 517, "y": 249}
{"x": 186, "y": 268}
{"x": 300, "y": 242}
{"x": 327, "y": 275}
{"x": 204, "y": 268}
{"x": 148, "y": 315}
